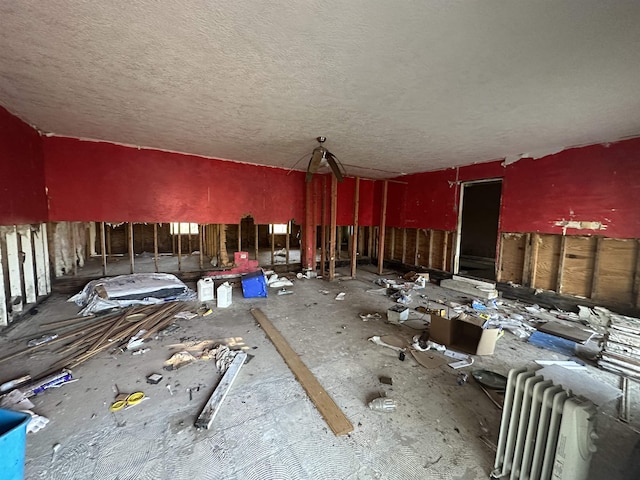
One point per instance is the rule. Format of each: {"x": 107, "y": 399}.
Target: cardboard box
{"x": 464, "y": 333}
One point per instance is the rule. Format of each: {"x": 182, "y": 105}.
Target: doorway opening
{"x": 478, "y": 228}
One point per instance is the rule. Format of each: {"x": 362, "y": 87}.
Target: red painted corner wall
{"x": 598, "y": 183}
{"x": 99, "y": 181}
{"x": 22, "y": 183}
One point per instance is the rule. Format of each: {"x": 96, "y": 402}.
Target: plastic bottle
{"x": 383, "y": 404}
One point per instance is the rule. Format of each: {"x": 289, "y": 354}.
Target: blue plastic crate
{"x": 13, "y": 443}
{"x": 254, "y": 285}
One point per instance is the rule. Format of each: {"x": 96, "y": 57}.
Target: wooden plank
{"x": 335, "y": 418}
{"x": 430, "y": 262}
{"x": 131, "y": 255}
{"x": 109, "y": 247}
{"x": 548, "y": 259}
{"x": 370, "y": 242}
{"x": 13, "y": 262}
{"x": 240, "y": 236}
{"x": 404, "y": 246}
{"x": 273, "y": 244}
{"x": 392, "y": 247}
{"x": 4, "y": 319}
{"x": 500, "y": 266}
{"x": 74, "y": 248}
{"x": 257, "y": 243}
{"x": 578, "y": 265}
{"x": 201, "y": 246}
{"x": 596, "y": 267}
{"x": 40, "y": 261}
{"x": 354, "y": 239}
{"x": 287, "y": 244}
{"x": 563, "y": 251}
{"x": 323, "y": 232}
{"x": 28, "y": 270}
{"x": 636, "y": 281}
{"x": 417, "y": 253}
{"x": 155, "y": 246}
{"x": 445, "y": 244}
{"x": 382, "y": 228}
{"x": 526, "y": 266}
{"x": 103, "y": 248}
{"x": 332, "y": 227}
{"x": 211, "y": 409}
{"x": 535, "y": 246}
{"x": 47, "y": 263}
{"x": 179, "y": 246}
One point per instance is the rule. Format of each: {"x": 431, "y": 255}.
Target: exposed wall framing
{"x": 602, "y": 269}
{"x": 420, "y": 247}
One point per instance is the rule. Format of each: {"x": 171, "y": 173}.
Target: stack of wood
{"x": 85, "y": 337}
{"x": 621, "y": 349}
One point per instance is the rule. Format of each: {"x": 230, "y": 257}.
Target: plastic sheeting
{"x": 133, "y": 289}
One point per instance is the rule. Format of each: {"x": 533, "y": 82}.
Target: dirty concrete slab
{"x": 268, "y": 428}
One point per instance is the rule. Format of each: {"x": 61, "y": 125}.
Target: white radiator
{"x": 545, "y": 432}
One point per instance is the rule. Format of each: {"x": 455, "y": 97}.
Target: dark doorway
{"x": 479, "y": 229}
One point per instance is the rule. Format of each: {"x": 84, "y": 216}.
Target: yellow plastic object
{"x": 123, "y": 401}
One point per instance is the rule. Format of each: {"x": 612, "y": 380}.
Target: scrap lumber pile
{"x": 621, "y": 349}
{"x": 82, "y": 338}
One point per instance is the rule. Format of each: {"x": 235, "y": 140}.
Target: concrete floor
{"x": 267, "y": 427}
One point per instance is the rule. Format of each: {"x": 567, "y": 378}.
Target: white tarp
{"x": 133, "y": 289}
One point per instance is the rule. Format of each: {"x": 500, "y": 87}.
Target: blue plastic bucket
{"x": 13, "y": 443}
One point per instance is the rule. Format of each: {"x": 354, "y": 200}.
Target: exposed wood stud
{"x": 417, "y": 252}
{"x": 535, "y": 248}
{"x": 361, "y": 241}
{"x": 240, "y": 236}
{"x": 526, "y": 264}
{"x": 273, "y": 244}
{"x": 47, "y": 263}
{"x": 430, "y": 264}
{"x": 370, "y": 229}
{"x": 381, "y": 229}
{"x": 392, "y": 247}
{"x": 13, "y": 262}
{"x": 354, "y": 240}
{"x": 28, "y": 271}
{"x": 287, "y": 244}
{"x": 74, "y": 248}
{"x": 257, "y": 241}
{"x": 500, "y": 258}
{"x": 179, "y": 247}
{"x": 40, "y": 261}
{"x": 103, "y": 248}
{"x": 332, "y": 239}
{"x": 563, "y": 248}
{"x": 323, "y": 232}
{"x": 201, "y": 245}
{"x": 596, "y": 267}
{"x": 4, "y": 320}
{"x": 636, "y": 280}
{"x": 404, "y": 245}
{"x": 108, "y": 240}
{"x": 130, "y": 228}
{"x": 339, "y": 243}
{"x": 445, "y": 247}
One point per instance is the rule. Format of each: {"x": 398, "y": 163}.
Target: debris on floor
{"x": 383, "y": 404}
{"x": 132, "y": 289}
{"x": 369, "y": 316}
{"x": 621, "y": 347}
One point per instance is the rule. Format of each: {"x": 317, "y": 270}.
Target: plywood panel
{"x": 512, "y": 261}
{"x": 422, "y": 238}
{"x": 616, "y": 271}
{"x": 579, "y": 259}
{"x": 397, "y": 248}
{"x": 548, "y": 260}
{"x": 388, "y": 243}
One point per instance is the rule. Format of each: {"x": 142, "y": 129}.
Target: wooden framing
{"x": 179, "y": 247}
{"x": 563, "y": 252}
{"x": 535, "y": 248}
{"x": 383, "y": 224}
{"x": 273, "y": 245}
{"x": 287, "y": 242}
{"x": 323, "y": 232}
{"x": 355, "y": 237}
{"x": 74, "y": 248}
{"x": 103, "y": 248}
{"x": 526, "y": 266}
{"x": 28, "y": 272}
{"x": 131, "y": 255}
{"x": 332, "y": 238}
{"x": 257, "y": 242}
{"x": 201, "y": 246}
{"x": 445, "y": 249}
{"x": 430, "y": 263}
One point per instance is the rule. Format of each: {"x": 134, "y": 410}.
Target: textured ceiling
{"x": 401, "y": 86}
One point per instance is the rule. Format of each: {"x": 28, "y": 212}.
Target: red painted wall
{"x": 597, "y": 183}
{"x": 22, "y": 185}
{"x": 99, "y": 181}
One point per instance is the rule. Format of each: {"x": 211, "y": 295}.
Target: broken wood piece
{"x": 211, "y": 409}
{"x": 337, "y": 421}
